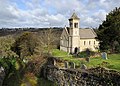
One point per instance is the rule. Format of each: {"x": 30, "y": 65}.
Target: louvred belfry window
{"x": 76, "y": 25}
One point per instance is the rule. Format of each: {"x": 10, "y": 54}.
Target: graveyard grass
{"x": 64, "y": 55}
{"x": 113, "y": 61}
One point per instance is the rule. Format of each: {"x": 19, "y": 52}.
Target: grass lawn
{"x": 64, "y": 55}
{"x": 113, "y": 61}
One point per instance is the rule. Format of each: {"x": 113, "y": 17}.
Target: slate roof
{"x": 74, "y": 16}
{"x": 87, "y": 33}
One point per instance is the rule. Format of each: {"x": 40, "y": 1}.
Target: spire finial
{"x": 74, "y": 15}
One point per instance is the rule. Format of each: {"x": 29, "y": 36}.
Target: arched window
{"x": 94, "y": 42}
{"x": 76, "y": 25}
{"x": 89, "y": 42}
{"x": 84, "y": 42}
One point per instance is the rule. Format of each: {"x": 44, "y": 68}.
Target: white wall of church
{"x": 75, "y": 43}
{"x": 63, "y": 48}
{"x": 70, "y": 39}
{"x": 74, "y": 31}
{"x": 64, "y": 44}
{"x": 92, "y": 44}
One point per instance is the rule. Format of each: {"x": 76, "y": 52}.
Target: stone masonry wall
{"x": 72, "y": 77}
{"x": 77, "y": 77}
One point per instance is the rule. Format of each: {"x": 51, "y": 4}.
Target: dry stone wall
{"x": 77, "y": 77}
{"x": 73, "y": 77}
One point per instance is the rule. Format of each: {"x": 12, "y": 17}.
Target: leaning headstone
{"x": 104, "y": 55}
{"x": 83, "y": 66}
{"x": 72, "y": 65}
{"x": 66, "y": 65}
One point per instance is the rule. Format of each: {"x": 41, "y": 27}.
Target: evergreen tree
{"x": 109, "y": 32}
{"x": 25, "y": 44}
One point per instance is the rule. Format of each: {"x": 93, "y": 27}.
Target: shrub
{"x": 117, "y": 49}
{"x": 86, "y": 53}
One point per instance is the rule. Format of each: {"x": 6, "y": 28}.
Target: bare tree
{"x": 47, "y": 39}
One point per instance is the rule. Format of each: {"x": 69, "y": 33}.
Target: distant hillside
{"x": 17, "y": 31}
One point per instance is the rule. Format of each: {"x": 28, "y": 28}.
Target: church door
{"x": 76, "y": 50}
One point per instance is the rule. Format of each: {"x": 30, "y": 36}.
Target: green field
{"x": 113, "y": 61}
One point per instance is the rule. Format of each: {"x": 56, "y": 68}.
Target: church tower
{"x": 74, "y": 38}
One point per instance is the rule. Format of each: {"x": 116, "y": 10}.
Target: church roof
{"x": 87, "y": 33}
{"x": 74, "y": 16}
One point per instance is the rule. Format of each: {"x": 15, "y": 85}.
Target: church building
{"x": 74, "y": 39}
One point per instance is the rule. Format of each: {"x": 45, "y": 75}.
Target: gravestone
{"x": 83, "y": 66}
{"x": 1, "y": 69}
{"x": 87, "y": 59}
{"x": 72, "y": 64}
{"x": 66, "y": 65}
{"x": 2, "y": 75}
{"x": 104, "y": 55}
{"x": 54, "y": 62}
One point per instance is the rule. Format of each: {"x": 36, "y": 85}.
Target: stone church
{"x": 75, "y": 39}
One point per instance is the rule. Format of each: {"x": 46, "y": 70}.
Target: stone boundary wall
{"x": 78, "y": 77}
{"x": 92, "y": 77}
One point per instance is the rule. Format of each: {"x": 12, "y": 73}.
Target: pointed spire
{"x": 74, "y": 16}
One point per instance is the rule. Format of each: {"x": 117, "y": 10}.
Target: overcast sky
{"x": 50, "y": 13}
